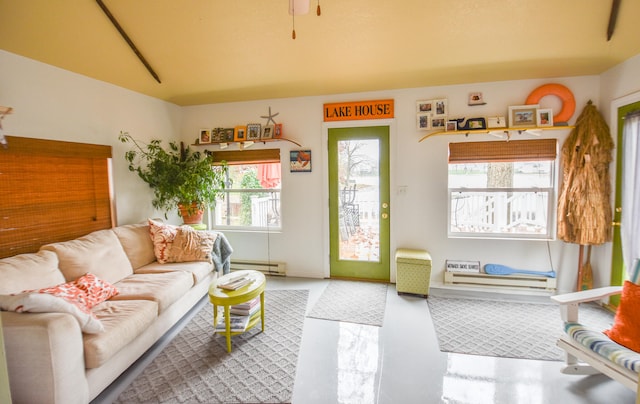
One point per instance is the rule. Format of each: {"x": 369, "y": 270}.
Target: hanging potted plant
{"x": 178, "y": 176}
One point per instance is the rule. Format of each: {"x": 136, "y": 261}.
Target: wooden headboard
{"x": 52, "y": 191}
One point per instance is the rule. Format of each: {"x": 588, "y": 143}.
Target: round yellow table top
{"x": 224, "y": 297}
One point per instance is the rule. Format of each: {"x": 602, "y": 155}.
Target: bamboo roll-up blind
{"x": 247, "y": 156}
{"x": 501, "y": 151}
{"x": 52, "y": 191}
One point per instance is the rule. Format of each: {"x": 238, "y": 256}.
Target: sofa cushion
{"x": 29, "y": 271}
{"x": 626, "y": 324}
{"x": 136, "y": 243}
{"x": 164, "y": 288}
{"x": 198, "y": 269}
{"x": 35, "y": 302}
{"x": 99, "y": 252}
{"x": 180, "y": 243}
{"x": 123, "y": 321}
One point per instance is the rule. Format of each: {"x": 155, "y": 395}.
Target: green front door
{"x": 359, "y": 202}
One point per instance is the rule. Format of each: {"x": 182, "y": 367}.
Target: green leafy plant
{"x": 178, "y": 176}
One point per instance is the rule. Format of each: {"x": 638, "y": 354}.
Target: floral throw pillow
{"x": 97, "y": 290}
{"x": 180, "y": 243}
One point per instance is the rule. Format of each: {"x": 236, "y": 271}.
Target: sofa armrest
{"x": 570, "y": 302}
{"x": 44, "y": 350}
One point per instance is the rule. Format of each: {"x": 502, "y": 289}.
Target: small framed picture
{"x": 545, "y": 117}
{"x": 205, "y": 136}
{"x": 267, "y": 132}
{"x": 253, "y": 131}
{"x": 438, "y": 122}
{"x": 441, "y": 107}
{"x": 452, "y": 126}
{"x": 423, "y": 121}
{"x": 523, "y": 116}
{"x": 425, "y": 107}
{"x": 300, "y": 161}
{"x": 215, "y": 135}
{"x": 496, "y": 122}
{"x": 228, "y": 135}
{"x": 476, "y": 99}
{"x": 277, "y": 131}
{"x": 239, "y": 133}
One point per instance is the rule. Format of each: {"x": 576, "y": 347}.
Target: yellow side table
{"x": 228, "y": 298}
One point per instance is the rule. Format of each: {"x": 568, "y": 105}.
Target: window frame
{"x": 515, "y": 151}
{"x": 247, "y": 157}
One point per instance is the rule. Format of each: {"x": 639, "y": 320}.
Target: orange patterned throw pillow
{"x": 96, "y": 289}
{"x": 180, "y": 243}
{"x": 626, "y": 324}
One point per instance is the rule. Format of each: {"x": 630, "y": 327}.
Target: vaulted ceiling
{"x": 210, "y": 51}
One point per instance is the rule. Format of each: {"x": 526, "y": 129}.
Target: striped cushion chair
{"x": 589, "y": 350}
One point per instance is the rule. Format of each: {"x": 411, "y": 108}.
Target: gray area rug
{"x": 505, "y": 328}
{"x": 196, "y": 368}
{"x": 352, "y": 302}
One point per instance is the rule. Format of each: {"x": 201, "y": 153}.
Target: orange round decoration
{"x": 560, "y": 91}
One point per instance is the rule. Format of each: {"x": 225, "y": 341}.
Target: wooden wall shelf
{"x": 248, "y": 143}
{"x": 494, "y": 130}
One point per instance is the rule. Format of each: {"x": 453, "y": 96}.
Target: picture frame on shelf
{"x": 423, "y": 121}
{"x": 254, "y": 131}
{"x": 267, "y": 132}
{"x": 452, "y": 126}
{"x": 215, "y": 135}
{"x": 300, "y": 161}
{"x": 523, "y": 116}
{"x": 545, "y": 117}
{"x": 240, "y": 133}
{"x": 277, "y": 131}
{"x": 476, "y": 123}
{"x": 204, "y": 136}
{"x": 228, "y": 135}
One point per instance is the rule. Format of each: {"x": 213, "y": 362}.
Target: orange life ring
{"x": 560, "y": 91}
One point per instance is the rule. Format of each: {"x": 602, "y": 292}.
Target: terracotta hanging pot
{"x": 192, "y": 214}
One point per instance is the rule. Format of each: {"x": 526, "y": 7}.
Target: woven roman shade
{"x": 52, "y": 191}
{"x": 247, "y": 156}
{"x": 501, "y": 151}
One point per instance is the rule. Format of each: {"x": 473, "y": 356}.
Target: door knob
{"x": 385, "y": 205}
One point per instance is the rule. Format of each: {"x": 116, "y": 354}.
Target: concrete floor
{"x": 401, "y": 363}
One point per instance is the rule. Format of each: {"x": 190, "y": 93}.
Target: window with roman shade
{"x": 502, "y": 189}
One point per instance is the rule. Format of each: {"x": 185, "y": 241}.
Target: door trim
{"x": 391, "y": 123}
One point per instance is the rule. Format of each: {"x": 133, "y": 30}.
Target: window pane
{"x": 251, "y": 198}
{"x": 501, "y": 200}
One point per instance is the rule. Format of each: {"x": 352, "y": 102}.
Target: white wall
{"x": 419, "y": 217}
{"x": 51, "y": 103}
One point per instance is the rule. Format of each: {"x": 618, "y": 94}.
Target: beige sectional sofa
{"x": 50, "y": 359}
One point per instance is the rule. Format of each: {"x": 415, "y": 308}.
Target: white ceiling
{"x": 210, "y": 51}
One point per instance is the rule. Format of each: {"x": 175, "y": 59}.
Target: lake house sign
{"x": 350, "y": 111}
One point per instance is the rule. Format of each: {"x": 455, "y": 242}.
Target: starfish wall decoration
{"x": 270, "y": 117}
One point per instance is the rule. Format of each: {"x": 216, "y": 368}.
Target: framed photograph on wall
{"x": 545, "y": 117}
{"x": 300, "y": 161}
{"x": 423, "y": 121}
{"x": 523, "y": 116}
{"x": 441, "y": 107}
{"x": 253, "y": 131}
{"x": 239, "y": 133}
{"x": 438, "y": 122}
{"x": 204, "y": 137}
{"x": 425, "y": 107}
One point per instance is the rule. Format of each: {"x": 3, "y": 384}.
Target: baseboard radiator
{"x": 513, "y": 281}
{"x": 266, "y": 267}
